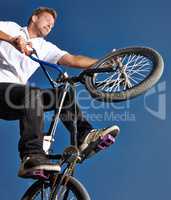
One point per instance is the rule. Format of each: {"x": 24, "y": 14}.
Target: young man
{"x": 26, "y": 103}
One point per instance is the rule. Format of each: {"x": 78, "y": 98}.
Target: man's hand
{"x": 20, "y": 44}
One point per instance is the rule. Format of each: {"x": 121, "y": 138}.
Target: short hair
{"x": 40, "y": 10}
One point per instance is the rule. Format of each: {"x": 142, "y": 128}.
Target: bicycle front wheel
{"x": 135, "y": 70}
{"x": 41, "y": 190}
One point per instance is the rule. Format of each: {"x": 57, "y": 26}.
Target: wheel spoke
{"x": 136, "y": 72}
{"x": 133, "y": 79}
{"x": 136, "y": 69}
{"x": 99, "y": 83}
{"x": 117, "y": 86}
{"x": 43, "y": 194}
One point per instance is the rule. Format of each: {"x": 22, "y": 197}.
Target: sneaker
{"x": 37, "y": 166}
{"x": 98, "y": 140}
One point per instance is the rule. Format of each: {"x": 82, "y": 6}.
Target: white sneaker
{"x": 96, "y": 134}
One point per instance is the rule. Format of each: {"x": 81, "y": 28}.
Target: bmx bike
{"x": 122, "y": 74}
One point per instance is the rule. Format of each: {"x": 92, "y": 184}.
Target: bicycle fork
{"x": 59, "y": 191}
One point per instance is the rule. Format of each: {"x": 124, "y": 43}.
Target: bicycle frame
{"x": 48, "y": 139}
{"x": 72, "y": 154}
{"x": 67, "y": 82}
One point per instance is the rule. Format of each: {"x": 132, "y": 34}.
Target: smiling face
{"x": 42, "y": 24}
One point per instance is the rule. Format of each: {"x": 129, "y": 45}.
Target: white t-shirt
{"x": 16, "y": 67}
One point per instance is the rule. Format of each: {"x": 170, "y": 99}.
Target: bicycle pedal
{"x": 39, "y": 174}
{"x": 94, "y": 147}
{"x": 105, "y": 142}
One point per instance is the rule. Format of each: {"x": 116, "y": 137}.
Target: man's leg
{"x": 69, "y": 112}
{"x": 31, "y": 123}
{"x": 85, "y": 132}
{"x": 24, "y": 103}
{"x": 89, "y": 140}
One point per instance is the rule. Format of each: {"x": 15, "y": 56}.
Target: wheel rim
{"x": 129, "y": 70}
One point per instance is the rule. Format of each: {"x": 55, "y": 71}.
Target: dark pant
{"x": 28, "y": 104}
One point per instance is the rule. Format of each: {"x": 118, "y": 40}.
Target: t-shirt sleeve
{"x": 54, "y": 54}
{"x": 7, "y": 26}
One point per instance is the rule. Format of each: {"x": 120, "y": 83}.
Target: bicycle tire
{"x": 75, "y": 186}
{"x": 149, "y": 81}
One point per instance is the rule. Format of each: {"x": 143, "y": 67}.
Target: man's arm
{"x": 6, "y": 37}
{"x": 77, "y": 61}
{"x": 18, "y": 42}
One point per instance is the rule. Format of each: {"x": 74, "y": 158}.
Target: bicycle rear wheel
{"x": 135, "y": 70}
{"x": 41, "y": 190}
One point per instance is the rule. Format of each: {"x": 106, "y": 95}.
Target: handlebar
{"x": 41, "y": 62}
{"x": 55, "y": 66}
{"x": 63, "y": 75}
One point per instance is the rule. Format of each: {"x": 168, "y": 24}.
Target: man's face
{"x": 43, "y": 23}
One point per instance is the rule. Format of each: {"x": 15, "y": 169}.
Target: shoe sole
{"x": 28, "y": 173}
{"x": 113, "y": 130}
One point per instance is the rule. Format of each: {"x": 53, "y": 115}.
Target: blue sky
{"x": 138, "y": 165}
